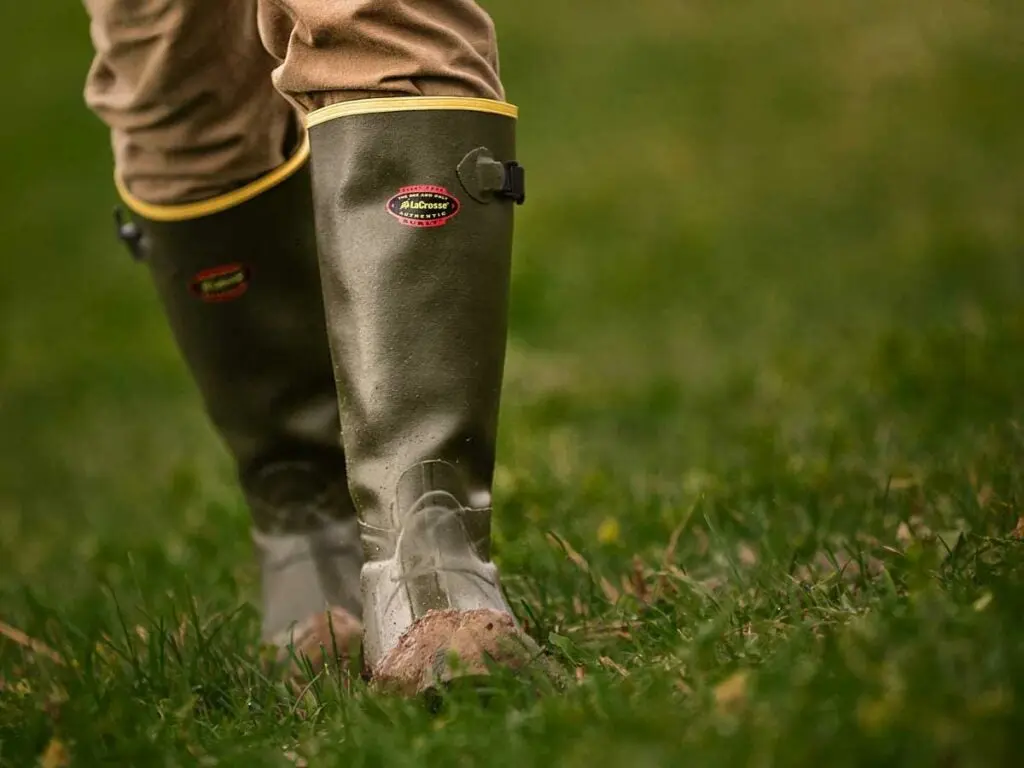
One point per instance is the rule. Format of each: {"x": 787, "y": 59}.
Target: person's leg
{"x": 182, "y": 84}
{"x": 414, "y": 197}
{"x": 213, "y": 164}
{"x": 330, "y": 51}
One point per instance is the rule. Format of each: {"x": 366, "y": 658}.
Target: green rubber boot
{"x": 238, "y": 279}
{"x": 414, "y": 201}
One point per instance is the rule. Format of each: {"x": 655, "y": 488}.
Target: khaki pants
{"x": 192, "y": 89}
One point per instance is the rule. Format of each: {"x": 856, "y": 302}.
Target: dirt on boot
{"x": 446, "y": 645}
{"x": 334, "y": 636}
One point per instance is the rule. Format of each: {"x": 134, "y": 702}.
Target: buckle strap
{"x": 514, "y": 184}
{"x": 129, "y": 233}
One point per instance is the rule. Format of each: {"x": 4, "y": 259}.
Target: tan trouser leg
{"x": 185, "y": 87}
{"x": 337, "y": 50}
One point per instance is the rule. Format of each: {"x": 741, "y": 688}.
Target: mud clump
{"x": 334, "y": 636}
{"x": 447, "y": 645}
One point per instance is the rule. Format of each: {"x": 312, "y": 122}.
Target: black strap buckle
{"x": 514, "y": 186}
{"x": 129, "y": 233}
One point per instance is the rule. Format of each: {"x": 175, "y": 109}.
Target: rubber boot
{"x": 237, "y": 277}
{"x": 414, "y": 204}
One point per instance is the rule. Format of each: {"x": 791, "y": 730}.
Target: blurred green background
{"x": 771, "y": 260}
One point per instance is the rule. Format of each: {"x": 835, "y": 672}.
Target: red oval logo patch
{"x": 221, "y": 283}
{"x": 424, "y": 206}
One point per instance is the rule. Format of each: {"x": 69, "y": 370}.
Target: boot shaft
{"x": 416, "y": 244}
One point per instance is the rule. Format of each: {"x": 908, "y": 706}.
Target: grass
{"x": 761, "y": 463}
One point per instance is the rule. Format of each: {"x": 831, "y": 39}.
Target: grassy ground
{"x": 761, "y": 460}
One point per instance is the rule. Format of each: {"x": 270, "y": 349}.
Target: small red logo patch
{"x": 221, "y": 283}
{"x": 424, "y": 206}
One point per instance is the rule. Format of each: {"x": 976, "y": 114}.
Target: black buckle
{"x": 514, "y": 186}
{"x": 129, "y": 233}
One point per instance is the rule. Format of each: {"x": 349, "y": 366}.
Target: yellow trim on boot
{"x": 188, "y": 211}
{"x": 409, "y": 104}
